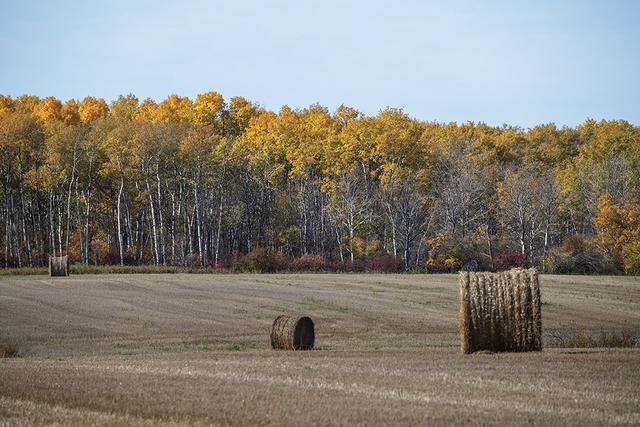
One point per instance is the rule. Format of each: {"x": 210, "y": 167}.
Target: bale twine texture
{"x": 59, "y": 265}
{"x": 292, "y": 333}
{"x": 500, "y": 311}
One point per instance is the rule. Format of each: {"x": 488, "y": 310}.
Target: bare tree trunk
{"x": 393, "y": 230}
{"x": 153, "y": 224}
{"x": 25, "y": 235}
{"x": 219, "y": 230}
{"x": 120, "y": 243}
{"x": 163, "y": 243}
{"x": 489, "y": 245}
{"x": 60, "y": 225}
{"x": 52, "y": 235}
{"x": 339, "y": 245}
{"x": 71, "y": 179}
{"x": 6, "y": 224}
{"x": 16, "y": 240}
{"x": 198, "y": 222}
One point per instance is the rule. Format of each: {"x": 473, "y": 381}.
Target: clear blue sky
{"x": 516, "y": 62}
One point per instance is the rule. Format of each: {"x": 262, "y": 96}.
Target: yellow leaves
{"x": 173, "y": 109}
{"x": 242, "y": 111}
{"x": 49, "y": 110}
{"x": 440, "y": 256}
{"x": 70, "y": 114}
{"x": 118, "y": 147}
{"x": 125, "y": 107}
{"x": 345, "y": 115}
{"x": 631, "y": 257}
{"x": 147, "y": 110}
{"x": 92, "y": 109}
{"x": 262, "y": 145}
{"x": 207, "y": 108}
{"x": 362, "y": 248}
{"x": 196, "y": 147}
{"x": 7, "y": 104}
{"x": 607, "y": 137}
{"x": 306, "y": 138}
{"x": 27, "y": 103}
{"x": 451, "y": 261}
{"x": 20, "y": 140}
{"x": 620, "y": 229}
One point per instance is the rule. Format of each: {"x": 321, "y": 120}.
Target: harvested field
{"x": 175, "y": 349}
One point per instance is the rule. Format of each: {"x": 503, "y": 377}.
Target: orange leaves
{"x": 619, "y": 224}
{"x": 70, "y": 113}
{"x": 207, "y": 108}
{"x": 7, "y": 104}
{"x": 49, "y": 110}
{"x": 173, "y": 109}
{"x": 91, "y": 109}
{"x": 242, "y": 111}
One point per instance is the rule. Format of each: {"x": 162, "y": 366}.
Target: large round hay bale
{"x": 292, "y": 333}
{"x": 59, "y": 265}
{"x": 500, "y": 311}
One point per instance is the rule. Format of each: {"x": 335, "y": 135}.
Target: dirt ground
{"x": 177, "y": 349}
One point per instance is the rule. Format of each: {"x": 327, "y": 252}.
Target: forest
{"x": 210, "y": 183}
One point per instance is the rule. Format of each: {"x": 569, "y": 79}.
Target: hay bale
{"x": 58, "y": 265}
{"x": 500, "y": 311}
{"x": 292, "y": 333}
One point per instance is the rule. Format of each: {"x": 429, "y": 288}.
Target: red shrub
{"x": 506, "y": 260}
{"x": 386, "y": 263}
{"x": 309, "y": 262}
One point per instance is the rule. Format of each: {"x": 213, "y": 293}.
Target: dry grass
{"x": 600, "y": 339}
{"x": 8, "y": 350}
{"x": 194, "y": 349}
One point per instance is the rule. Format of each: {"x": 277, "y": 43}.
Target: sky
{"x": 511, "y": 62}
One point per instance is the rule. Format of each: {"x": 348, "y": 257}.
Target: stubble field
{"x": 176, "y": 349}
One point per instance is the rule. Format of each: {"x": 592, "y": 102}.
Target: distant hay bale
{"x": 58, "y": 265}
{"x": 500, "y": 311}
{"x": 292, "y": 333}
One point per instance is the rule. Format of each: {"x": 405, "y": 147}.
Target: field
{"x": 178, "y": 348}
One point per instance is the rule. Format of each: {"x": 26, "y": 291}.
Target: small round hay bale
{"x": 292, "y": 333}
{"x": 58, "y": 266}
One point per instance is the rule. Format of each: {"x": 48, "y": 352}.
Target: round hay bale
{"x": 292, "y": 333}
{"x": 500, "y": 311}
{"x": 58, "y": 266}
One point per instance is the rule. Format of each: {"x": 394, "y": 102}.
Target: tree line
{"x": 208, "y": 183}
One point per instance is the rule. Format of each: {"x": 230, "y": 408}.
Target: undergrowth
{"x": 8, "y": 350}
{"x": 588, "y": 339}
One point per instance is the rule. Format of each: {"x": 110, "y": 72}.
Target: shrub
{"x": 585, "y": 339}
{"x": 555, "y": 262}
{"x": 309, "y": 262}
{"x": 573, "y": 245}
{"x": 386, "y": 264}
{"x": 260, "y": 260}
{"x": 585, "y": 256}
{"x": 506, "y": 260}
{"x": 471, "y": 265}
{"x": 631, "y": 257}
{"x": 24, "y": 271}
{"x": 8, "y": 350}
{"x": 449, "y": 254}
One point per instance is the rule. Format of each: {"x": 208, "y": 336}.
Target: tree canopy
{"x": 202, "y": 182}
